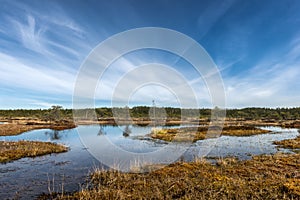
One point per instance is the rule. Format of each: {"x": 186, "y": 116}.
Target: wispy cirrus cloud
{"x": 271, "y": 82}
{"x": 40, "y": 54}
{"x": 28, "y": 34}
{"x": 255, "y": 46}
{"x": 15, "y": 73}
{"x": 50, "y": 34}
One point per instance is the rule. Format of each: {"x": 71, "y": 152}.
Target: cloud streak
{"x": 16, "y": 74}
{"x": 268, "y": 83}
{"x": 256, "y": 47}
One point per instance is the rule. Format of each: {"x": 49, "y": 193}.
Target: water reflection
{"x": 101, "y": 131}
{"x": 69, "y": 169}
{"x": 75, "y": 164}
{"x": 126, "y": 131}
{"x": 54, "y": 135}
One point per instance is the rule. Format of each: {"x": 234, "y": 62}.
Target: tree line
{"x": 57, "y": 112}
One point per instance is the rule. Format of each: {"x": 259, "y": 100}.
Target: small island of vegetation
{"x": 193, "y": 134}
{"x": 15, "y": 150}
{"x": 263, "y": 177}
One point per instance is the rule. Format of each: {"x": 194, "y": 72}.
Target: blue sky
{"x": 255, "y": 44}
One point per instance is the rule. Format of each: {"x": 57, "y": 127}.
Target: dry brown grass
{"x": 290, "y": 143}
{"x": 200, "y": 133}
{"x": 15, "y": 150}
{"x": 263, "y": 177}
{"x": 16, "y": 129}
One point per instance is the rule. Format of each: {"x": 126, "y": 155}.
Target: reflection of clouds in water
{"x": 241, "y": 147}
{"x": 125, "y": 147}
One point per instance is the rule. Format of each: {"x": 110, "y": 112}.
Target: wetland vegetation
{"x": 282, "y": 116}
{"x": 194, "y": 134}
{"x": 262, "y": 177}
{"x": 17, "y": 128}
{"x": 15, "y": 150}
{"x": 290, "y": 143}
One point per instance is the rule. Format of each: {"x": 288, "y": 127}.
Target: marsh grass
{"x": 290, "y": 143}
{"x": 16, "y": 129}
{"x": 200, "y": 133}
{"x": 15, "y": 150}
{"x": 263, "y": 177}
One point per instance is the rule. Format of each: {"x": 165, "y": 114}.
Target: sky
{"x": 255, "y": 45}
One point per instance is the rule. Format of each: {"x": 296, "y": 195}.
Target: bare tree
{"x": 55, "y": 113}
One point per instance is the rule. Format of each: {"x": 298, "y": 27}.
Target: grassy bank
{"x": 18, "y": 128}
{"x": 263, "y": 177}
{"x": 200, "y": 133}
{"x": 15, "y": 150}
{"x": 290, "y": 144}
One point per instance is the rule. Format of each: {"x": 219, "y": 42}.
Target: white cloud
{"x": 28, "y": 34}
{"x": 265, "y": 87}
{"x": 144, "y": 83}
{"x": 50, "y": 34}
{"x": 14, "y": 73}
{"x": 58, "y": 40}
{"x": 41, "y": 57}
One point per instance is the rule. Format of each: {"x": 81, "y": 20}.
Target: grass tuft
{"x": 16, "y": 129}
{"x": 193, "y": 134}
{"x": 263, "y": 177}
{"x": 15, "y": 150}
{"x": 290, "y": 143}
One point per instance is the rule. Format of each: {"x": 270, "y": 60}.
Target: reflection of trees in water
{"x": 126, "y": 131}
{"x": 54, "y": 135}
{"x": 101, "y": 131}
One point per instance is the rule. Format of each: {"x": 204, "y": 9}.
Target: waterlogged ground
{"x": 28, "y": 177}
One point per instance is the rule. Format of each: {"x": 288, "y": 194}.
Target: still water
{"x": 29, "y": 177}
